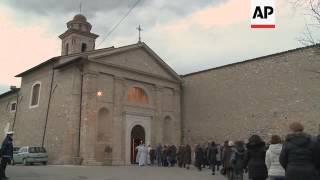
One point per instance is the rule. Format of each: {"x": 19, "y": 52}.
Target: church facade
{"x": 93, "y": 107}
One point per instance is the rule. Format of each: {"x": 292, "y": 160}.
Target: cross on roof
{"x": 139, "y": 29}
{"x": 80, "y": 7}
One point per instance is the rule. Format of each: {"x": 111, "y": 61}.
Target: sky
{"x": 189, "y": 35}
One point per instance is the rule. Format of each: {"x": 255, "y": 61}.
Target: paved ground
{"x": 19, "y": 172}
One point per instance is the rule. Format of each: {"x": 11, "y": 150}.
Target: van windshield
{"x": 37, "y": 150}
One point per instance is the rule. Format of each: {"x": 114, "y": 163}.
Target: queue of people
{"x": 166, "y": 156}
{"x": 295, "y": 158}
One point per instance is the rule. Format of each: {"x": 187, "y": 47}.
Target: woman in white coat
{"x": 275, "y": 170}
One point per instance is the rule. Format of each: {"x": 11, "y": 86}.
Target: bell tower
{"x": 78, "y": 38}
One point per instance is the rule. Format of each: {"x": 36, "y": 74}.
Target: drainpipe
{"x": 48, "y": 108}
{"x": 80, "y": 110}
{"x": 15, "y": 113}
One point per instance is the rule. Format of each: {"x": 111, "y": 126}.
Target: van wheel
{"x": 25, "y": 162}
{"x": 44, "y": 163}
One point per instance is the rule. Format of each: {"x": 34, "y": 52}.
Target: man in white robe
{"x": 139, "y": 149}
{"x": 143, "y": 155}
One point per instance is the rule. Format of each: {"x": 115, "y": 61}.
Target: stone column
{"x": 158, "y": 119}
{"x": 75, "y": 116}
{"x": 177, "y": 116}
{"x": 118, "y": 122}
{"x": 89, "y": 118}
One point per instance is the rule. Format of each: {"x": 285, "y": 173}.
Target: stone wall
{"x": 6, "y": 115}
{"x": 60, "y": 129}
{"x": 30, "y": 122}
{"x": 260, "y": 96}
{"x": 62, "y": 132}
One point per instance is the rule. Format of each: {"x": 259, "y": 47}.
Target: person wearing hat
{"x": 298, "y": 155}
{"x": 6, "y": 154}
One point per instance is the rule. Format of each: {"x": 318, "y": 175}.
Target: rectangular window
{"x": 67, "y": 49}
{"x": 13, "y": 107}
{"x": 35, "y": 95}
{"x": 83, "y": 47}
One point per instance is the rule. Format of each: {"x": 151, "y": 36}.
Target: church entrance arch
{"x": 137, "y": 126}
{"x": 138, "y": 136}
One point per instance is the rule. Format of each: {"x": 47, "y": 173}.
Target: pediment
{"x": 141, "y": 59}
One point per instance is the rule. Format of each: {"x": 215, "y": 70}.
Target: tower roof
{"x": 80, "y": 18}
{"x": 79, "y": 22}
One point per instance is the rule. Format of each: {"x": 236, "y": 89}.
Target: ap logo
{"x": 262, "y": 14}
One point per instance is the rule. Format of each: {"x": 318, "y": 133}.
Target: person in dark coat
{"x": 173, "y": 155}
{"x": 298, "y": 155}
{"x": 172, "y": 150}
{"x": 180, "y": 156}
{"x": 226, "y": 159}
{"x": 318, "y": 155}
{"x": 6, "y": 154}
{"x": 186, "y": 157}
{"x": 199, "y": 157}
{"x": 212, "y": 156}
{"x": 164, "y": 156}
{"x": 238, "y": 160}
{"x": 159, "y": 154}
{"x": 205, "y": 148}
{"x": 152, "y": 154}
{"x": 255, "y": 158}
{"x": 223, "y": 148}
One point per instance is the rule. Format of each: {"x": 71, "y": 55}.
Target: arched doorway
{"x": 103, "y": 136}
{"x": 137, "y": 136}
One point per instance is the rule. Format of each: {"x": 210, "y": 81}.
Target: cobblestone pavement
{"x": 65, "y": 172}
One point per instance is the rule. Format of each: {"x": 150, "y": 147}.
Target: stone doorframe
{"x": 132, "y": 121}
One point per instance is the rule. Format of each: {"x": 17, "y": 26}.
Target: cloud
{"x": 103, "y": 14}
{"x": 218, "y": 35}
{"x": 189, "y": 35}
{"x": 91, "y": 7}
{"x": 23, "y": 47}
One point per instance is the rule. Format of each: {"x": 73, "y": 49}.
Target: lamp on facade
{"x": 99, "y": 93}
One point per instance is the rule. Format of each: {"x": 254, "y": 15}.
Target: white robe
{"x": 143, "y": 156}
{"x": 139, "y": 148}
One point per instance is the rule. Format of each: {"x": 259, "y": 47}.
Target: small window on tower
{"x": 13, "y": 106}
{"x": 67, "y": 49}
{"x": 83, "y": 47}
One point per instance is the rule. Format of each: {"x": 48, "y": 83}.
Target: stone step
{"x": 92, "y": 162}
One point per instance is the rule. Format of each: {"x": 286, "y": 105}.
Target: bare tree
{"x": 312, "y": 8}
